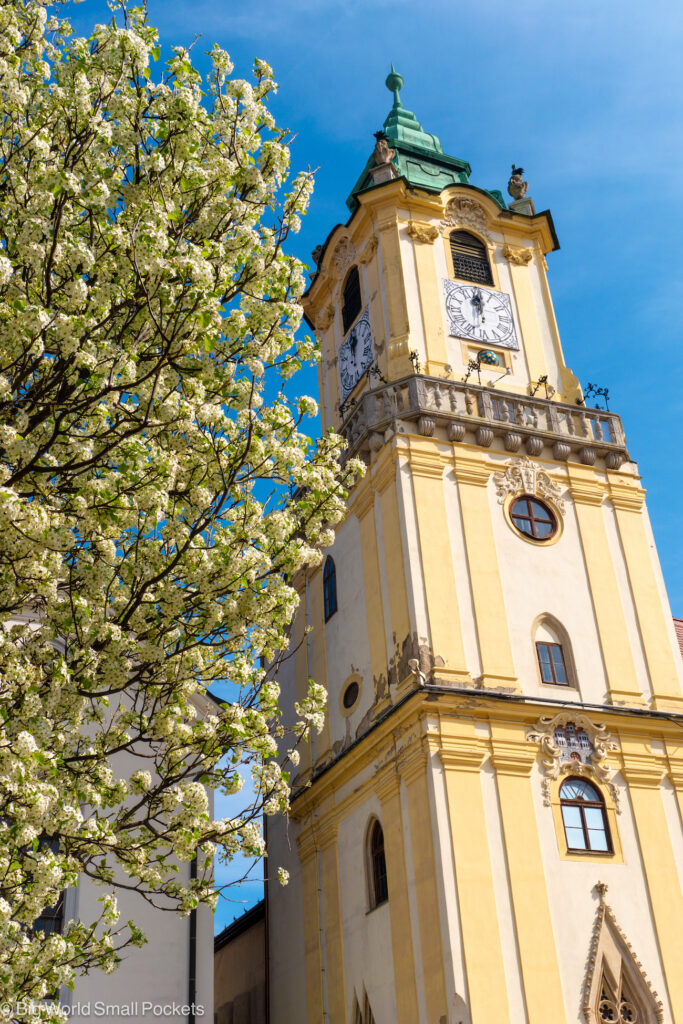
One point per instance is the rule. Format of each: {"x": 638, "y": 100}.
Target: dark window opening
{"x": 350, "y": 695}
{"x": 380, "y": 889}
{"x": 352, "y": 302}
{"x": 551, "y": 660}
{"x": 584, "y": 817}
{"x": 533, "y": 518}
{"x": 329, "y": 588}
{"x": 470, "y": 258}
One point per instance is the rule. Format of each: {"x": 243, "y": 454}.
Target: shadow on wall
{"x": 240, "y": 970}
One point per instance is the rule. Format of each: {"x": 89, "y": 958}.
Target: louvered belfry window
{"x": 352, "y": 302}
{"x": 470, "y": 259}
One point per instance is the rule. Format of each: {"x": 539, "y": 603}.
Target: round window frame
{"x": 358, "y": 680}
{"x": 554, "y": 512}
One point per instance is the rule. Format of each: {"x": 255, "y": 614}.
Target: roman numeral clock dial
{"x": 480, "y": 313}
{"x": 356, "y": 354}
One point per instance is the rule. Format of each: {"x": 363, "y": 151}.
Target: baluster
{"x": 598, "y": 429}
{"x": 469, "y": 403}
{"x": 437, "y": 396}
{"x": 585, "y": 427}
{"x": 453, "y": 399}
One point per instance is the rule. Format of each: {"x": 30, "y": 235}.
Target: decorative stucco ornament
{"x": 522, "y": 476}
{"x": 344, "y": 254}
{"x": 426, "y": 233}
{"x": 571, "y": 744}
{"x": 465, "y": 211}
{"x": 518, "y": 254}
{"x": 369, "y": 250}
{"x": 517, "y": 187}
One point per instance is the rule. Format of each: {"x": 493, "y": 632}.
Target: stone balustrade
{"x": 459, "y": 411}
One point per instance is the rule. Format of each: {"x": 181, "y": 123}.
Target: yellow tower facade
{"x": 488, "y": 830}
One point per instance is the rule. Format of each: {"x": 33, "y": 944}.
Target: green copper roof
{"x": 419, "y": 157}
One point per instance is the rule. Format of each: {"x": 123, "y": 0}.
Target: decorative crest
{"x": 517, "y": 187}
{"x": 570, "y": 742}
{"x": 344, "y": 254}
{"x": 522, "y": 476}
{"x": 465, "y": 211}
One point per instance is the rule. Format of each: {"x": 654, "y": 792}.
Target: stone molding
{"x": 344, "y": 254}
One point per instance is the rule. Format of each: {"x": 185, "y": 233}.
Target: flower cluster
{"x": 158, "y": 491}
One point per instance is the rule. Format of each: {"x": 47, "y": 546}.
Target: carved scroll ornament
{"x": 571, "y": 744}
{"x": 518, "y": 254}
{"x": 344, "y": 254}
{"x": 426, "y": 233}
{"x": 465, "y": 211}
{"x": 522, "y": 476}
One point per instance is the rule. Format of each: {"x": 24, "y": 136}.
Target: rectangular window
{"x": 551, "y": 662}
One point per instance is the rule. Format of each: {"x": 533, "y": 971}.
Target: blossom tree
{"x": 157, "y": 490}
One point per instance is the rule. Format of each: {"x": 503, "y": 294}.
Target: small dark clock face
{"x": 356, "y": 354}
{"x": 480, "y": 313}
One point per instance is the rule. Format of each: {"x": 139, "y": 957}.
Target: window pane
{"x": 572, "y": 817}
{"x": 543, "y": 528}
{"x": 597, "y": 840}
{"x": 575, "y": 838}
{"x": 558, "y": 662}
{"x": 578, "y": 789}
{"x": 544, "y": 661}
{"x": 523, "y": 524}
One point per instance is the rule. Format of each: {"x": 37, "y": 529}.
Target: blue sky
{"x": 585, "y": 96}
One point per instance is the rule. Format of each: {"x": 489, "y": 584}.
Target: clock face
{"x": 480, "y": 313}
{"x": 356, "y": 353}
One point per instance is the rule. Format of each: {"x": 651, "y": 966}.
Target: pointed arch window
{"x": 329, "y": 588}
{"x": 585, "y": 821}
{"x": 351, "y": 301}
{"x": 379, "y": 890}
{"x": 470, "y": 258}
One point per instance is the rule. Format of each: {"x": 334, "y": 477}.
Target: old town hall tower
{"x": 488, "y": 829}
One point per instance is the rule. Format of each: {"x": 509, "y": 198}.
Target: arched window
{"x": 470, "y": 258}
{"x": 351, "y": 301}
{"x": 584, "y": 817}
{"x": 329, "y": 588}
{"x": 379, "y": 891}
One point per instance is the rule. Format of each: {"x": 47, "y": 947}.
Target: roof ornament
{"x": 394, "y": 83}
{"x": 382, "y": 154}
{"x": 517, "y": 187}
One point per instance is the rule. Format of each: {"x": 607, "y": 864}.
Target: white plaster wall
{"x": 551, "y": 580}
{"x": 574, "y": 915}
{"x": 347, "y": 646}
{"x": 368, "y": 957}
{"x": 158, "y": 973}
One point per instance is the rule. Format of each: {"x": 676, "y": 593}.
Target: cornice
{"x": 471, "y": 470}
{"x": 626, "y": 498}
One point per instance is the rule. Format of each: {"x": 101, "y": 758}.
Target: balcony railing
{"x": 435, "y": 404}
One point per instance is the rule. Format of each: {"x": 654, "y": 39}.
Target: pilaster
{"x": 308, "y": 856}
{"x": 398, "y": 343}
{"x": 384, "y": 480}
{"x": 513, "y": 760}
{"x": 427, "y": 466}
{"x": 643, "y": 772}
{"x": 628, "y": 502}
{"x": 387, "y": 788}
{"x": 472, "y": 474}
{"x": 462, "y": 755}
{"x": 414, "y": 773}
{"x": 364, "y": 509}
{"x": 588, "y": 493}
{"x": 334, "y": 944}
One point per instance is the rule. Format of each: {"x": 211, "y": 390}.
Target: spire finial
{"x": 394, "y": 83}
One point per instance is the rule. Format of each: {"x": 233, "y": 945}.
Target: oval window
{"x": 533, "y": 518}
{"x": 350, "y": 695}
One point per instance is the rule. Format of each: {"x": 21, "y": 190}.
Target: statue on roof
{"x": 382, "y": 154}
{"x": 517, "y": 187}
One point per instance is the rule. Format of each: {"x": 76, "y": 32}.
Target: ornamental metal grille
{"x": 470, "y": 259}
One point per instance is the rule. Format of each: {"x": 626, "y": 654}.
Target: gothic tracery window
{"x": 351, "y": 299}
{"x": 616, "y": 1003}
